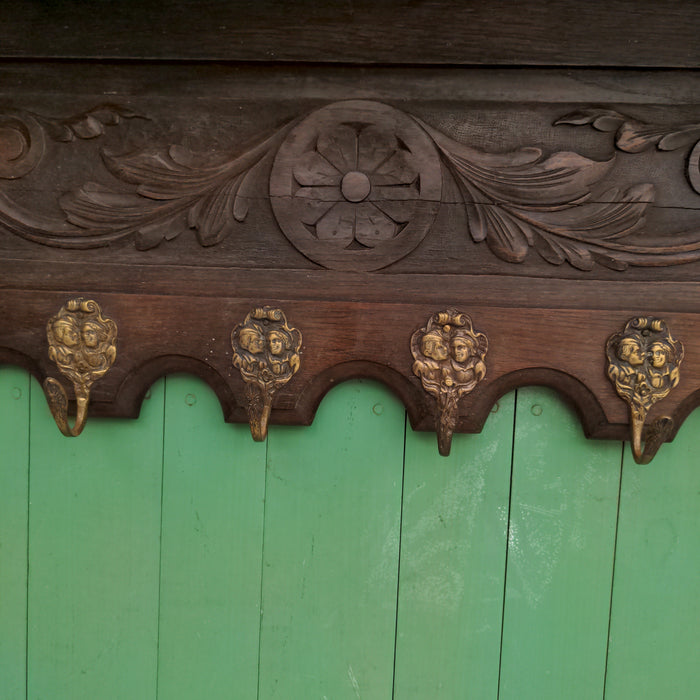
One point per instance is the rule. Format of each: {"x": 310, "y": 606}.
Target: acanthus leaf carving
{"x": 522, "y": 199}
{"x": 23, "y": 135}
{"x": 357, "y": 185}
{"x": 635, "y": 136}
{"x": 175, "y": 190}
{"x": 86, "y": 125}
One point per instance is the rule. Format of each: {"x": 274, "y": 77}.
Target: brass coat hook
{"x": 449, "y": 361}
{"x": 643, "y": 365}
{"x": 266, "y": 351}
{"x": 83, "y": 344}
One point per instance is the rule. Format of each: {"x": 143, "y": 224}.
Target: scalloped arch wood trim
{"x": 503, "y": 195}
{"x": 128, "y": 400}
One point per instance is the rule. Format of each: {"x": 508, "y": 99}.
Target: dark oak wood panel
{"x": 561, "y": 348}
{"x": 287, "y": 222}
{"x": 562, "y": 32}
{"x": 239, "y": 123}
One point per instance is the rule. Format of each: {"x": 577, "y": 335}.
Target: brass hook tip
{"x": 444, "y": 439}
{"x": 658, "y": 432}
{"x": 260, "y": 421}
{"x": 58, "y": 405}
{"x": 259, "y": 432}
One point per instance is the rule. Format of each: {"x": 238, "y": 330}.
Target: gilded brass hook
{"x": 83, "y": 345}
{"x": 449, "y": 359}
{"x": 643, "y": 365}
{"x": 266, "y": 351}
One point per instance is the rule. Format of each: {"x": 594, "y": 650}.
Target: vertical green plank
{"x": 331, "y": 548}
{"x": 655, "y": 618}
{"x": 94, "y": 533}
{"x": 560, "y": 555}
{"x": 14, "y": 475}
{"x": 213, "y": 499}
{"x": 453, "y": 549}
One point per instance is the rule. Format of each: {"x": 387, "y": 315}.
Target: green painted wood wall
{"x": 173, "y": 558}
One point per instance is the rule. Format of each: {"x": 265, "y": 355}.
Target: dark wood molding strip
{"x": 618, "y": 33}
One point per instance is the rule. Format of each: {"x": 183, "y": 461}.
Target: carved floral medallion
{"x": 356, "y": 185}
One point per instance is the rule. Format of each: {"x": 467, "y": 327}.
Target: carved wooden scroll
{"x": 548, "y": 208}
{"x": 355, "y": 185}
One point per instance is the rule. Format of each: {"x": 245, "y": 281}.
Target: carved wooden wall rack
{"x": 274, "y": 229}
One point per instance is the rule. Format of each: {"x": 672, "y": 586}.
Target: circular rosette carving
{"x": 22, "y": 145}
{"x": 356, "y": 185}
{"x": 82, "y": 342}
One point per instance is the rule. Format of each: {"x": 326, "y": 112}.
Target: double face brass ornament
{"x": 449, "y": 361}
{"x": 82, "y": 342}
{"x": 643, "y": 365}
{"x": 266, "y": 351}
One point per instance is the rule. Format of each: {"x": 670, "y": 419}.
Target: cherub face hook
{"x": 266, "y": 351}
{"x": 643, "y": 365}
{"x": 82, "y": 343}
{"x": 449, "y": 361}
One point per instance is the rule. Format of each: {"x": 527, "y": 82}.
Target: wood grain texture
{"x": 561, "y": 544}
{"x": 248, "y": 149}
{"x": 211, "y": 549}
{"x": 94, "y": 541}
{"x": 453, "y": 551}
{"x": 355, "y": 185}
{"x": 618, "y": 33}
{"x": 14, "y": 512}
{"x": 653, "y": 636}
{"x": 364, "y": 344}
{"x": 331, "y": 549}
{"x": 506, "y": 184}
